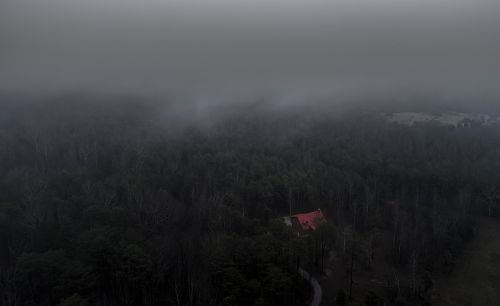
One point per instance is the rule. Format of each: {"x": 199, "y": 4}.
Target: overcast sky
{"x": 139, "y": 45}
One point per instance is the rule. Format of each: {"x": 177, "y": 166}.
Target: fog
{"x": 158, "y": 46}
{"x": 249, "y": 152}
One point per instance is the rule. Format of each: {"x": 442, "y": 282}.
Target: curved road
{"x": 317, "y": 292}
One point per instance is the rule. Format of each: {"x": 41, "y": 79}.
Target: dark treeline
{"x": 116, "y": 204}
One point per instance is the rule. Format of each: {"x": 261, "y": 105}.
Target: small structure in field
{"x": 306, "y": 222}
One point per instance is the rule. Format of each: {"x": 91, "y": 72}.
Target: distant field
{"x": 476, "y": 280}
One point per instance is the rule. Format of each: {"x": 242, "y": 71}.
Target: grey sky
{"x": 158, "y": 45}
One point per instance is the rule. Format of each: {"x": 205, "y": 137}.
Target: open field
{"x": 476, "y": 279}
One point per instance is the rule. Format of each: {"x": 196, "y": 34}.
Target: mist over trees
{"x": 117, "y": 202}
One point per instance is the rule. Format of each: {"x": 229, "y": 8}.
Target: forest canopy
{"x": 119, "y": 201}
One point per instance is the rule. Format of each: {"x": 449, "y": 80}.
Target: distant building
{"x": 306, "y": 222}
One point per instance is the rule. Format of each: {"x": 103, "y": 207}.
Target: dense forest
{"x": 120, "y": 201}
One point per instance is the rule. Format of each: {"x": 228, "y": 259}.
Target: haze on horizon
{"x": 153, "y": 45}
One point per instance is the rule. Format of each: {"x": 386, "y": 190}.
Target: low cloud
{"x": 135, "y": 46}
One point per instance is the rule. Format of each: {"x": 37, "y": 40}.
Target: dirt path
{"x": 317, "y": 292}
{"x": 476, "y": 280}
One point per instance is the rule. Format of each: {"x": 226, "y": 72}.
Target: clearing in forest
{"x": 476, "y": 278}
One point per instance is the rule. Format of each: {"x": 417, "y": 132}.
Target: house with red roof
{"x": 306, "y": 222}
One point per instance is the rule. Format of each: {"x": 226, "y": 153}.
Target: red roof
{"x": 311, "y": 220}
